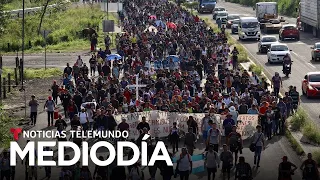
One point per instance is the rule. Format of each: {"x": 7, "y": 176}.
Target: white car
{"x": 277, "y": 52}
{"x": 223, "y": 15}
{"x": 216, "y": 10}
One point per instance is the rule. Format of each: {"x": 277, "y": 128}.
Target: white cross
{"x": 137, "y": 86}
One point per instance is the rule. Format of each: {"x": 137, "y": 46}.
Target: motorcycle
{"x": 287, "y": 69}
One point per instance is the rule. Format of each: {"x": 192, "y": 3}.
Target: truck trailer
{"x": 267, "y": 15}
{"x": 309, "y": 16}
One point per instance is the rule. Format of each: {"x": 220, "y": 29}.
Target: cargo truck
{"x": 267, "y": 15}
{"x": 309, "y": 16}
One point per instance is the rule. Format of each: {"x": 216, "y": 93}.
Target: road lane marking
{"x": 311, "y": 65}
{"x": 297, "y": 55}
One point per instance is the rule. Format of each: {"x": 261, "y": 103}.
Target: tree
{"x": 191, "y": 5}
{"x": 42, "y": 15}
{"x": 3, "y": 16}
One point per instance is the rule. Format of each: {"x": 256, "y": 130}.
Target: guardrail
{"x": 17, "y": 13}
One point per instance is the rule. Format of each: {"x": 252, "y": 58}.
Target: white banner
{"x": 160, "y": 122}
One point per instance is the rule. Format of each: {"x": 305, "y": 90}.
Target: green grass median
{"x": 300, "y": 121}
{"x": 35, "y": 73}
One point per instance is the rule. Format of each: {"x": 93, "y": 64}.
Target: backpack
{"x": 189, "y": 159}
{"x": 215, "y": 155}
{"x": 210, "y": 131}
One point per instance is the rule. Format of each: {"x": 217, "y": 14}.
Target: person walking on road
{"x": 258, "y": 140}
{"x": 190, "y": 140}
{"x": 285, "y": 169}
{"x": 243, "y": 170}
{"x": 33, "y": 103}
{"x": 5, "y": 169}
{"x": 235, "y": 143}
{"x": 174, "y": 137}
{"x": 50, "y": 105}
{"x": 214, "y": 136}
{"x": 184, "y": 164}
{"x": 55, "y": 91}
{"x": 276, "y": 83}
{"x": 93, "y": 65}
{"x": 47, "y": 169}
{"x": 212, "y": 162}
{"x": 309, "y": 168}
{"x": 227, "y": 160}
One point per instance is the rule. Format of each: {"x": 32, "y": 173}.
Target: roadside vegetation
{"x": 285, "y": 7}
{"x": 294, "y": 144}
{"x": 17, "y": 4}
{"x": 300, "y": 121}
{"x": 257, "y": 69}
{"x": 66, "y": 30}
{"x": 35, "y": 73}
{"x": 316, "y": 156}
{"x": 5, "y": 124}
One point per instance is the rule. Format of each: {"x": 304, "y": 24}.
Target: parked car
{"x": 277, "y": 52}
{"x": 234, "y": 26}
{"x": 216, "y": 10}
{"x": 265, "y": 43}
{"x": 315, "y": 52}
{"x": 289, "y": 31}
{"x": 231, "y": 18}
{"x": 311, "y": 84}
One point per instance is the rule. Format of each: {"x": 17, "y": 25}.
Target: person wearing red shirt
{"x": 72, "y": 110}
{"x": 127, "y": 94}
{"x": 262, "y": 112}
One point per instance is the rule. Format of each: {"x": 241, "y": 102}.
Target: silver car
{"x": 265, "y": 43}
{"x": 234, "y": 26}
{"x": 216, "y": 10}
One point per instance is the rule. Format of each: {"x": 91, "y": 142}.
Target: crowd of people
{"x": 186, "y": 67}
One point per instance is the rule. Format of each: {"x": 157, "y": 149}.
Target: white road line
{"x": 299, "y": 56}
{"x": 311, "y": 65}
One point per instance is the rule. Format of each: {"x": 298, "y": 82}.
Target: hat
{"x": 232, "y": 108}
{"x": 33, "y": 95}
{"x": 89, "y": 93}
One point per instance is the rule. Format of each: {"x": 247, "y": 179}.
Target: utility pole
{"x": 23, "y": 34}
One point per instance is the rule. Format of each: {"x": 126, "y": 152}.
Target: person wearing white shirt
{"x": 184, "y": 164}
{"x": 234, "y": 113}
{"x": 212, "y": 162}
{"x": 83, "y": 118}
{"x": 227, "y": 99}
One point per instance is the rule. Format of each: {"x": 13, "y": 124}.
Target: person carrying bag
{"x": 253, "y": 145}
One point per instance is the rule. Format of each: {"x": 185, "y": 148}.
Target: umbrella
{"x": 160, "y": 23}
{"x": 112, "y": 57}
{"x": 175, "y": 58}
{"x": 171, "y": 25}
{"x": 151, "y": 29}
{"x": 153, "y": 17}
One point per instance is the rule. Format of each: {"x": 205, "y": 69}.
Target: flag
{"x": 197, "y": 163}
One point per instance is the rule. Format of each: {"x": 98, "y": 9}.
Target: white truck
{"x": 309, "y": 16}
{"x": 249, "y": 28}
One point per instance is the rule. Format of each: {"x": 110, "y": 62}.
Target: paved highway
{"x": 301, "y": 55}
